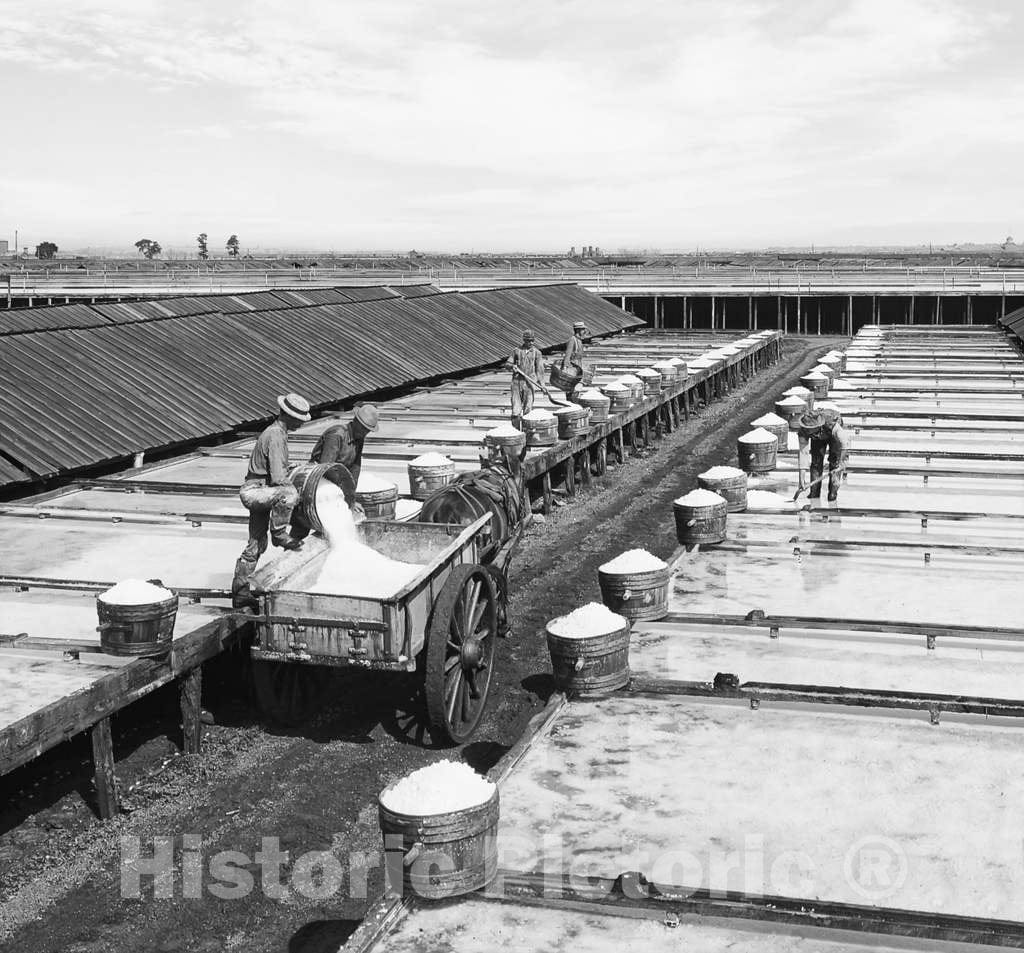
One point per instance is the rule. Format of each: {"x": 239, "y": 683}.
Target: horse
{"x": 498, "y": 488}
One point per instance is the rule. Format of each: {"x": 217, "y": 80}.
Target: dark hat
{"x": 812, "y": 420}
{"x": 528, "y": 336}
{"x": 579, "y": 326}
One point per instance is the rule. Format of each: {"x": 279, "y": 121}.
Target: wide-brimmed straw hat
{"x": 294, "y": 406}
{"x": 579, "y": 326}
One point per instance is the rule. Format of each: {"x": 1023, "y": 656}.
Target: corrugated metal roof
{"x": 57, "y": 316}
{"x": 1014, "y": 323}
{"x": 106, "y": 392}
{"x": 416, "y": 291}
{"x": 10, "y": 474}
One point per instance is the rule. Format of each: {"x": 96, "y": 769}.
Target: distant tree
{"x": 46, "y": 250}
{"x": 204, "y": 252}
{"x": 148, "y": 248}
{"x": 232, "y": 246}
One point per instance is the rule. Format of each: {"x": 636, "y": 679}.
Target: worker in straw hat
{"x": 527, "y": 365}
{"x": 820, "y": 430}
{"x": 343, "y": 443}
{"x": 572, "y": 360}
{"x": 268, "y": 495}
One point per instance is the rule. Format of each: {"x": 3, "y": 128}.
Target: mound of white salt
{"x": 540, "y": 415}
{"x": 434, "y": 459}
{"x": 634, "y": 560}
{"x": 368, "y": 483}
{"x": 439, "y": 788}
{"x": 722, "y": 473}
{"x": 769, "y": 420}
{"x": 760, "y": 435}
{"x": 792, "y": 401}
{"x": 135, "y": 592}
{"x": 589, "y": 620}
{"x": 503, "y": 430}
{"x": 700, "y": 497}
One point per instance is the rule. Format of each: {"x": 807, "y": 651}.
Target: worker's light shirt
{"x": 573, "y": 353}
{"x": 269, "y": 461}
{"x": 529, "y": 361}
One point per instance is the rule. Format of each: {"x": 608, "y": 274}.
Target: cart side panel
{"x": 420, "y": 604}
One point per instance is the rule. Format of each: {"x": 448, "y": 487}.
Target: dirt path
{"x": 61, "y": 871}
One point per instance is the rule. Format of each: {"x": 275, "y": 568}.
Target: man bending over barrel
{"x": 343, "y": 443}
{"x": 822, "y": 430}
{"x": 269, "y": 496}
{"x": 527, "y": 365}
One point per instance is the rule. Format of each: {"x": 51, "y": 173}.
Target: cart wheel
{"x": 289, "y": 692}
{"x": 460, "y": 653}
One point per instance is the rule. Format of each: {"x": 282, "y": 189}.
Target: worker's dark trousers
{"x": 835, "y": 457}
{"x": 270, "y": 511}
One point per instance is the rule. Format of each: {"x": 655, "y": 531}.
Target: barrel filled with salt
{"x": 816, "y": 383}
{"x": 636, "y": 387}
{"x": 774, "y": 424}
{"x": 834, "y": 359}
{"x": 791, "y": 409}
{"x": 588, "y": 376}
{"x": 428, "y": 473}
{"x": 136, "y": 618}
{"x": 651, "y": 380}
{"x": 669, "y": 373}
{"x": 618, "y": 396}
{"x": 589, "y": 651}
{"x": 757, "y": 451}
{"x": 505, "y": 437}
{"x": 307, "y": 478}
{"x": 377, "y": 497}
{"x": 440, "y": 827}
{"x": 540, "y": 427}
{"x": 700, "y": 518}
{"x": 803, "y": 393}
{"x": 827, "y": 371}
{"x": 729, "y": 483}
{"x": 573, "y": 421}
{"x": 596, "y": 402}
{"x": 635, "y": 585}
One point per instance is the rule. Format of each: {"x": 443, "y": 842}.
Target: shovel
{"x": 535, "y": 384}
{"x": 807, "y": 489}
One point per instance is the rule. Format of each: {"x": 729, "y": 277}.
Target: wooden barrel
{"x": 140, "y": 630}
{"x": 806, "y": 395}
{"x": 636, "y": 390}
{"x": 700, "y": 524}
{"x": 512, "y": 442}
{"x": 563, "y": 380}
{"x": 378, "y": 504}
{"x": 778, "y": 429}
{"x": 816, "y": 383}
{"x": 592, "y": 666}
{"x": 732, "y": 489}
{"x": 599, "y": 406}
{"x": 791, "y": 409}
{"x": 835, "y": 361}
{"x": 758, "y": 456}
{"x": 572, "y": 421}
{"x": 825, "y": 370}
{"x": 445, "y": 855}
{"x": 652, "y": 381}
{"x": 307, "y": 477}
{"x": 669, "y": 373}
{"x": 639, "y": 596}
{"x": 424, "y": 480}
{"x": 540, "y": 432}
{"x": 618, "y": 395}
{"x": 588, "y": 376}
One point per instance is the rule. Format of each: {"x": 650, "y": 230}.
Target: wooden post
{"x": 657, "y": 323}
{"x": 623, "y": 302}
{"x": 585, "y": 466}
{"x": 191, "y": 691}
{"x": 849, "y": 315}
{"x": 712, "y": 312}
{"x": 617, "y": 443}
{"x": 778, "y": 320}
{"x": 569, "y": 475}
{"x": 819, "y": 316}
{"x": 545, "y": 486}
{"x": 1003, "y": 308}
{"x": 103, "y": 761}
{"x": 798, "y": 300}
{"x": 938, "y": 309}
{"x": 911, "y": 311}
{"x": 970, "y": 311}
{"x": 750, "y": 312}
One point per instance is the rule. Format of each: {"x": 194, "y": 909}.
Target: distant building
{"x": 4, "y": 247}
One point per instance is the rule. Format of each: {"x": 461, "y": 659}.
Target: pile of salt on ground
{"x": 700, "y": 497}
{"x": 769, "y": 420}
{"x": 504, "y": 430}
{"x": 722, "y": 473}
{"x": 765, "y": 500}
{"x": 539, "y": 414}
{"x": 760, "y": 435}
{"x": 431, "y": 460}
{"x": 633, "y": 560}
{"x": 590, "y": 620}
{"x": 135, "y": 592}
{"x": 351, "y": 567}
{"x": 368, "y": 483}
{"x": 439, "y": 788}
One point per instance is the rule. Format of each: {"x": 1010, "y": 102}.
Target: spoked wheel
{"x": 289, "y": 692}
{"x": 460, "y": 654}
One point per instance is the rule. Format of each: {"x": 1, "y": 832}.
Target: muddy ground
{"x": 61, "y": 883}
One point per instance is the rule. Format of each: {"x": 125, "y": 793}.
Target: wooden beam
{"x": 108, "y": 802}
{"x": 191, "y": 692}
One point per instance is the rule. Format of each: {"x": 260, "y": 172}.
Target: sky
{"x": 470, "y": 125}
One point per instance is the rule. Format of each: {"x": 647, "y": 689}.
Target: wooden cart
{"x": 443, "y": 624}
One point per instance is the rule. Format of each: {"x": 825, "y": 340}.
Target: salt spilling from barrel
{"x": 757, "y": 451}
{"x": 635, "y": 585}
{"x": 729, "y": 483}
{"x": 589, "y": 650}
{"x": 700, "y": 517}
{"x": 440, "y": 829}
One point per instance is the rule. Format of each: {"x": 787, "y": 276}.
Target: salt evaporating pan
{"x": 855, "y": 366}
{"x": 431, "y": 460}
{"x": 700, "y": 497}
{"x": 769, "y": 420}
{"x": 760, "y": 435}
{"x": 504, "y": 430}
{"x": 634, "y": 560}
{"x": 840, "y": 384}
{"x": 135, "y": 592}
{"x": 722, "y": 473}
{"x": 539, "y": 414}
{"x": 586, "y": 621}
{"x": 765, "y": 500}
{"x": 368, "y": 483}
{"x": 791, "y": 401}
{"x": 440, "y": 788}
{"x": 827, "y": 405}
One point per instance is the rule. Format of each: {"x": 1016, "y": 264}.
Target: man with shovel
{"x": 822, "y": 430}
{"x": 527, "y": 365}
